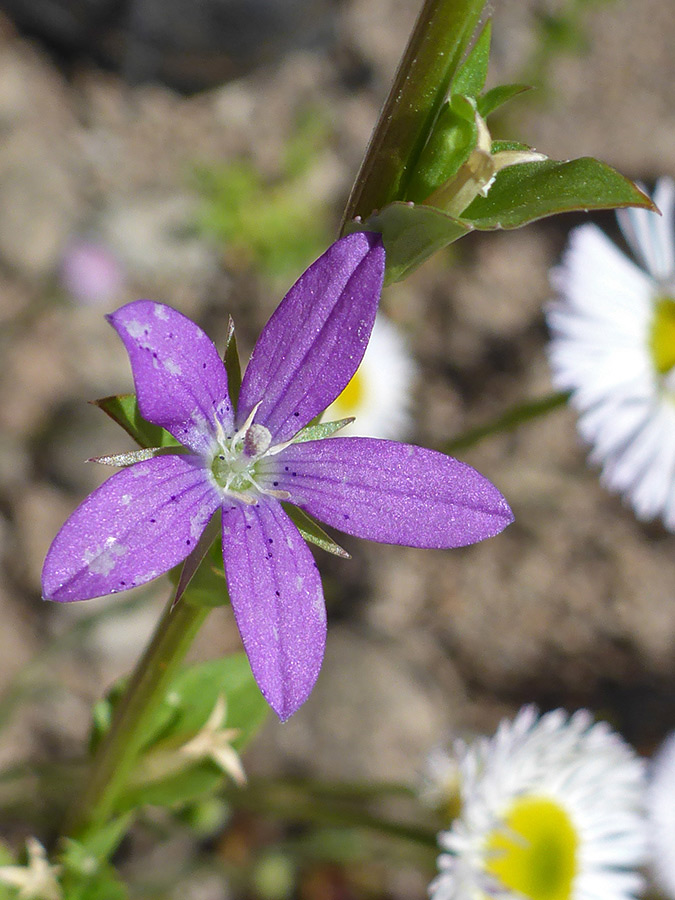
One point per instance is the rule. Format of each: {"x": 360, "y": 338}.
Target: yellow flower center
{"x": 534, "y": 852}
{"x": 348, "y": 403}
{"x": 662, "y": 335}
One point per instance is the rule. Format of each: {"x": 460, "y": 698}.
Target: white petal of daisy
{"x": 661, "y": 816}
{"x": 379, "y": 395}
{"x": 652, "y": 237}
{"x": 613, "y": 347}
{"x": 551, "y": 809}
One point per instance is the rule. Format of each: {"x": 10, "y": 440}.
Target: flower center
{"x": 662, "y": 335}
{"x": 234, "y": 464}
{"x": 534, "y": 852}
{"x": 349, "y": 401}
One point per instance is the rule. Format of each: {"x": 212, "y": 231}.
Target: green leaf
{"x": 524, "y": 193}
{"x": 86, "y": 876}
{"x": 441, "y": 35}
{"x": 207, "y": 586}
{"x": 412, "y": 233}
{"x": 232, "y": 365}
{"x": 498, "y": 96}
{"x": 123, "y": 409}
{"x": 188, "y": 704}
{"x": 472, "y": 74}
{"x": 451, "y": 142}
{"x": 313, "y": 532}
{"x": 321, "y": 430}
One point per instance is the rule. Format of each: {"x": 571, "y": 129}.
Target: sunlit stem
{"x": 118, "y": 751}
{"x": 438, "y": 41}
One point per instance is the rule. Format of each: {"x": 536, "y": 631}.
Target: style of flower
{"x": 661, "y": 816}
{"x": 244, "y": 461}
{"x": 551, "y": 809}
{"x": 37, "y": 880}
{"x": 378, "y": 396}
{"x": 613, "y": 346}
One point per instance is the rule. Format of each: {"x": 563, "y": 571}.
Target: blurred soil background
{"x": 201, "y": 154}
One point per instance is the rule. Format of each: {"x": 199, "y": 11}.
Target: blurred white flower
{"x": 613, "y": 346}
{"x": 661, "y": 816}
{"x": 379, "y": 395}
{"x": 551, "y": 809}
{"x": 439, "y": 782}
{"x": 214, "y": 742}
{"x": 37, "y": 880}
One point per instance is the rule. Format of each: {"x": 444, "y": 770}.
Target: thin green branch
{"x": 508, "y": 421}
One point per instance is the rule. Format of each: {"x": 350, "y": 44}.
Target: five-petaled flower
{"x": 244, "y": 461}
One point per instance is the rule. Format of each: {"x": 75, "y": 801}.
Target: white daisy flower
{"x": 613, "y": 346}
{"x": 439, "y": 782}
{"x": 380, "y": 393}
{"x": 661, "y": 816}
{"x": 551, "y": 809}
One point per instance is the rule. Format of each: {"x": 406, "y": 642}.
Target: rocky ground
{"x": 573, "y": 605}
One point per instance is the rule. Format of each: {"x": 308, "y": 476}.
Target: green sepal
{"x": 411, "y": 234}
{"x": 232, "y": 364}
{"x": 498, "y": 96}
{"x": 317, "y": 431}
{"x": 449, "y": 146}
{"x": 530, "y": 191}
{"x": 471, "y": 75}
{"x": 85, "y": 874}
{"x": 187, "y": 706}
{"x": 207, "y": 585}
{"x": 313, "y": 532}
{"x": 123, "y": 409}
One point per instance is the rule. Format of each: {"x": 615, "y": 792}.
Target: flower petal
{"x": 315, "y": 340}
{"x": 389, "y": 492}
{"x": 277, "y": 600}
{"x": 180, "y": 379}
{"x": 652, "y": 236}
{"x": 137, "y": 525}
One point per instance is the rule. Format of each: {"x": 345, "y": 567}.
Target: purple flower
{"x": 149, "y": 517}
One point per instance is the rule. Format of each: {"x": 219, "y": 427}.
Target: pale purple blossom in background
{"x": 91, "y": 273}
{"x": 244, "y": 462}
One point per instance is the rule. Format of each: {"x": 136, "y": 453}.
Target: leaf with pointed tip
{"x": 411, "y": 234}
{"x": 204, "y": 591}
{"x": 498, "y": 96}
{"x": 471, "y": 75}
{"x": 122, "y": 460}
{"x": 454, "y": 137}
{"x": 317, "y": 431}
{"x": 524, "y": 193}
{"x": 123, "y": 409}
{"x": 313, "y": 532}
{"x": 232, "y": 364}
{"x": 189, "y": 703}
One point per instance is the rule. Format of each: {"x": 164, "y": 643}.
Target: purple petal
{"x": 314, "y": 342}
{"x": 180, "y": 379}
{"x": 277, "y": 600}
{"x": 137, "y": 525}
{"x": 389, "y": 492}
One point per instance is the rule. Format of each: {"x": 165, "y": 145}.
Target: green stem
{"x": 512, "y": 418}
{"x": 117, "y": 753}
{"x": 437, "y": 43}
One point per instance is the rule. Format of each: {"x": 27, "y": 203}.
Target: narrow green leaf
{"x": 189, "y": 703}
{"x": 232, "y": 365}
{"x": 411, "y": 234}
{"x": 321, "y": 430}
{"x": 498, "y": 96}
{"x": 129, "y": 459}
{"x": 525, "y": 193}
{"x": 123, "y": 409}
{"x": 313, "y": 532}
{"x": 437, "y": 44}
{"x": 451, "y": 142}
{"x": 508, "y": 421}
{"x": 472, "y": 73}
